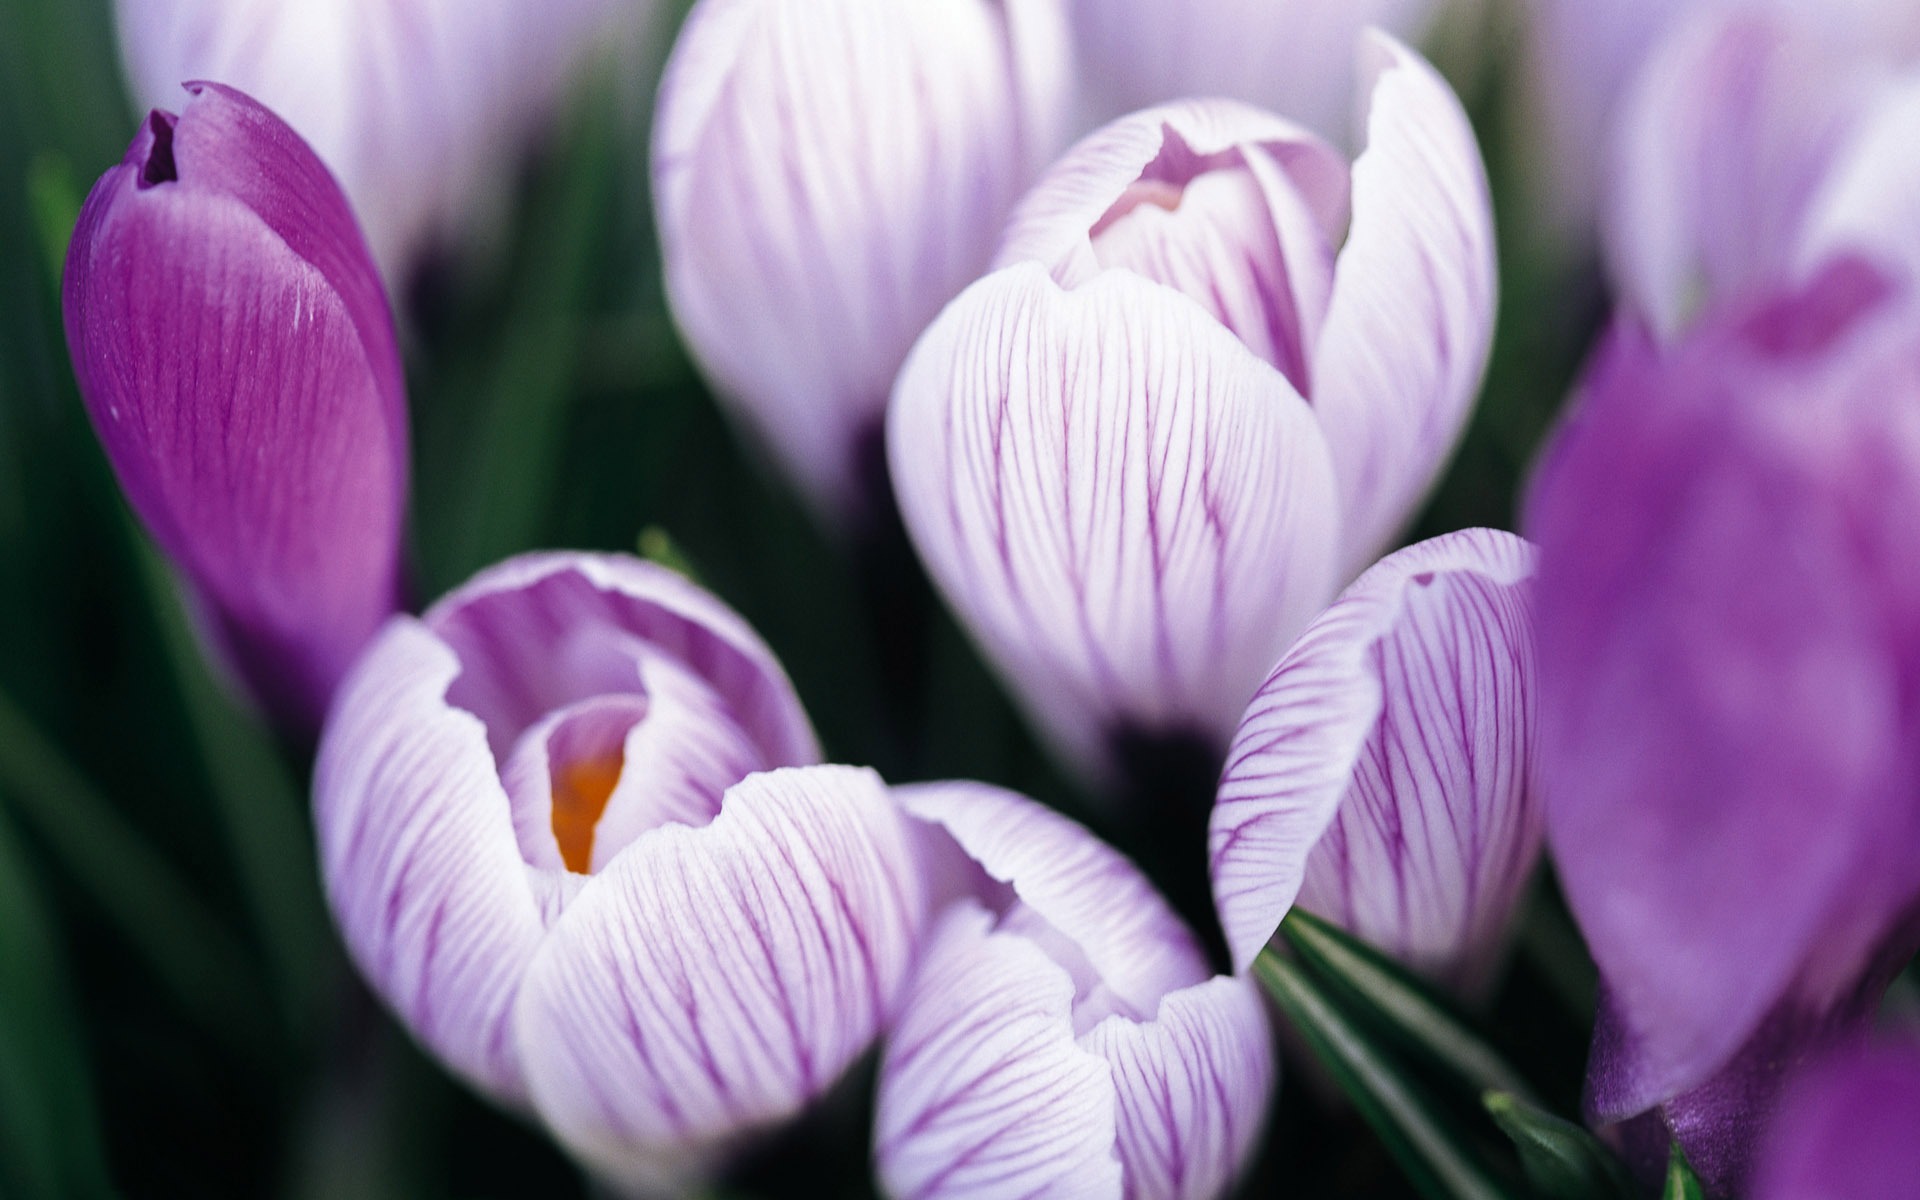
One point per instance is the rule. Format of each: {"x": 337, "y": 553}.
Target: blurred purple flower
{"x": 1846, "y": 1130}
{"x": 1060, "y": 1035}
{"x": 1729, "y": 614}
{"x": 420, "y": 108}
{"x": 827, "y": 174}
{"x": 555, "y": 840}
{"x": 235, "y": 352}
{"x": 1291, "y": 57}
{"x": 1217, "y": 369}
{"x": 1384, "y": 775}
{"x": 1753, "y": 149}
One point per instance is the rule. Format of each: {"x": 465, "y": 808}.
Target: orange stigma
{"x": 580, "y": 793}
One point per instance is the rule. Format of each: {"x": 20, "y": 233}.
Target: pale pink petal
{"x": 1870, "y": 200}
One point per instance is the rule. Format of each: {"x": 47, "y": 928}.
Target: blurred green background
{"x": 176, "y": 1016}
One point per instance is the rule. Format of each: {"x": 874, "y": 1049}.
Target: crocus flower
{"x": 419, "y": 107}
{"x": 1729, "y": 616}
{"x": 1753, "y": 148}
{"x": 556, "y": 840}
{"x": 1846, "y": 1129}
{"x": 1292, "y": 57}
{"x": 1384, "y": 775}
{"x": 1060, "y": 1035}
{"x": 827, "y": 174}
{"x": 1139, "y": 456}
{"x": 236, "y": 355}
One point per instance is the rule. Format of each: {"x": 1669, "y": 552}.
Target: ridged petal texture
{"x": 827, "y": 174}
{"x": 1130, "y": 511}
{"x": 421, "y": 108}
{"x": 1383, "y": 776}
{"x": 1060, "y": 1036}
{"x": 1729, "y": 655}
{"x": 237, "y": 358}
{"x": 1846, "y": 1128}
{"x": 1293, "y": 57}
{"x": 556, "y": 842}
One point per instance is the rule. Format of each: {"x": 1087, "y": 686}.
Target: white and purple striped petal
{"x": 828, "y": 174}
{"x": 712, "y": 981}
{"x": 1129, "y": 510}
{"x": 1384, "y": 775}
{"x": 1060, "y": 1036}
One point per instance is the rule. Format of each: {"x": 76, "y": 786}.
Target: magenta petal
{"x": 1411, "y": 318}
{"x": 1383, "y": 775}
{"x": 1847, "y": 1129}
{"x": 710, "y": 982}
{"x": 1129, "y": 511}
{"x": 235, "y": 353}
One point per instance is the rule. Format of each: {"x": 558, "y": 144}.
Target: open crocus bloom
{"x": 1383, "y": 776}
{"x": 1060, "y": 1035}
{"x": 1215, "y": 371}
{"x": 1753, "y": 148}
{"x": 1729, "y": 614}
{"x": 1846, "y": 1128}
{"x": 827, "y": 174}
{"x": 547, "y": 846}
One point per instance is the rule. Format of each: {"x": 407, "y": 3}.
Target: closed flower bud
{"x": 1060, "y": 1035}
{"x": 1384, "y": 775}
{"x": 419, "y": 107}
{"x": 555, "y": 839}
{"x": 1729, "y": 655}
{"x": 235, "y": 352}
{"x": 827, "y": 174}
{"x": 1215, "y": 372}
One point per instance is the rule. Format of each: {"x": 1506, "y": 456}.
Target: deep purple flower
{"x": 1846, "y": 1130}
{"x": 555, "y": 839}
{"x": 1752, "y": 149}
{"x": 1217, "y": 369}
{"x": 827, "y": 174}
{"x": 1729, "y": 613}
{"x": 1060, "y": 1035}
{"x": 1291, "y": 57}
{"x": 1384, "y": 775}
{"x": 236, "y": 355}
{"x": 421, "y": 108}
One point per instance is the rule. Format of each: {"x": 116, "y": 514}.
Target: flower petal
{"x": 1128, "y": 510}
{"x": 1411, "y": 320}
{"x": 828, "y": 175}
{"x": 711, "y": 982}
{"x": 982, "y": 1087}
{"x": 1383, "y": 774}
{"x": 418, "y": 855}
{"x": 1869, "y": 202}
{"x": 1846, "y": 1128}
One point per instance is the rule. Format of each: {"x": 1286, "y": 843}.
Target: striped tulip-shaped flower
{"x": 1060, "y": 1035}
{"x": 421, "y": 108}
{"x": 1729, "y": 616}
{"x": 1217, "y": 368}
{"x": 827, "y": 174}
{"x": 1383, "y": 777}
{"x": 567, "y": 832}
{"x": 235, "y": 352}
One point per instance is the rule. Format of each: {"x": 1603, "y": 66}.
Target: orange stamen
{"x": 580, "y": 794}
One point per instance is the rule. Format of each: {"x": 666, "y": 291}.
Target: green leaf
{"x": 1682, "y": 1183}
{"x": 1560, "y": 1158}
{"x": 657, "y": 546}
{"x": 1432, "y": 1147}
{"x": 55, "y": 196}
{"x": 1367, "y": 981}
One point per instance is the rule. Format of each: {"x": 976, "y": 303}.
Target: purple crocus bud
{"x": 556, "y": 842}
{"x": 1384, "y": 775}
{"x": 1729, "y": 616}
{"x": 235, "y": 352}
{"x": 1060, "y": 1035}
{"x": 419, "y": 107}
{"x": 827, "y": 174}
{"x": 1293, "y": 57}
{"x": 1753, "y": 149}
{"x": 1216, "y": 371}
{"x": 1846, "y": 1129}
